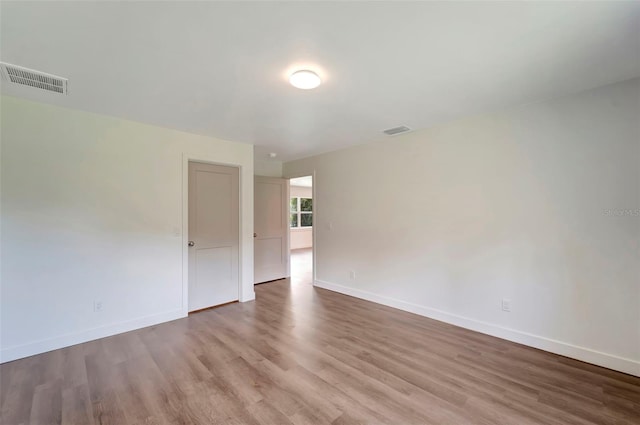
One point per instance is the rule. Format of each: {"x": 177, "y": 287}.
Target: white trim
{"x": 584, "y": 354}
{"x": 186, "y": 157}
{"x": 287, "y": 208}
{"x": 314, "y": 244}
{"x": 49, "y": 344}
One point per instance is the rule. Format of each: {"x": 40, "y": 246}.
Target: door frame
{"x": 313, "y": 228}
{"x": 186, "y": 158}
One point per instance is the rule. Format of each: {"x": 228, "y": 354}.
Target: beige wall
{"x": 92, "y": 211}
{"x": 267, "y": 168}
{"x": 536, "y": 204}
{"x": 302, "y": 237}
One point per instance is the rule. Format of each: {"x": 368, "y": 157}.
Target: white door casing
{"x": 214, "y": 231}
{"x": 271, "y": 225}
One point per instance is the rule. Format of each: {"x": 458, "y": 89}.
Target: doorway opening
{"x": 301, "y": 230}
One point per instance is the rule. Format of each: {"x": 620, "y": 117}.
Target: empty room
{"x": 378, "y": 212}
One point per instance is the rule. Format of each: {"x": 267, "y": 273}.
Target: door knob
{"x": 191, "y": 243}
{"x": 255, "y": 235}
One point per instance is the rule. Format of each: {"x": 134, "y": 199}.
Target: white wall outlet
{"x": 352, "y": 275}
{"x": 97, "y": 306}
{"x": 506, "y": 304}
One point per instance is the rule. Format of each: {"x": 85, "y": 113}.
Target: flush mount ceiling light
{"x": 305, "y": 79}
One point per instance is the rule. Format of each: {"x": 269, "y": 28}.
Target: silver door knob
{"x": 191, "y": 243}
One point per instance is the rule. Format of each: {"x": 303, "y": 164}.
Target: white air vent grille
{"x": 32, "y": 78}
{"x": 396, "y": 130}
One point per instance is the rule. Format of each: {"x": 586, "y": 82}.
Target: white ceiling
{"x": 306, "y": 181}
{"x": 220, "y": 69}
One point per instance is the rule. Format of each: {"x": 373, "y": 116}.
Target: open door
{"x": 271, "y": 239}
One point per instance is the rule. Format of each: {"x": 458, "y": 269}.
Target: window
{"x": 301, "y": 212}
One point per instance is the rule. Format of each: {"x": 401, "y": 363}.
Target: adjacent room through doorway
{"x": 301, "y": 230}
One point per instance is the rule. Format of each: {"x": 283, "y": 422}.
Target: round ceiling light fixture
{"x": 305, "y": 79}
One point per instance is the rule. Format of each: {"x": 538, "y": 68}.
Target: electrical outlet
{"x": 506, "y": 305}
{"x": 352, "y": 275}
{"x": 97, "y": 306}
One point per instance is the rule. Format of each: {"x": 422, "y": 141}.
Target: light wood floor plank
{"x": 302, "y": 355}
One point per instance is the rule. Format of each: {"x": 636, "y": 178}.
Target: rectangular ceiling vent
{"x": 396, "y": 130}
{"x": 32, "y": 78}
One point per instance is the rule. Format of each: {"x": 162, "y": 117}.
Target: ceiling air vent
{"x": 396, "y": 130}
{"x": 29, "y": 77}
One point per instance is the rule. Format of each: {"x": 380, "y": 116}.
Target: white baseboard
{"x": 42, "y": 346}
{"x": 610, "y": 361}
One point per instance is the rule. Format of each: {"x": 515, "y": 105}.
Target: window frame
{"x": 299, "y": 213}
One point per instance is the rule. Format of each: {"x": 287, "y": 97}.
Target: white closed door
{"x": 271, "y": 221}
{"x": 213, "y": 235}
